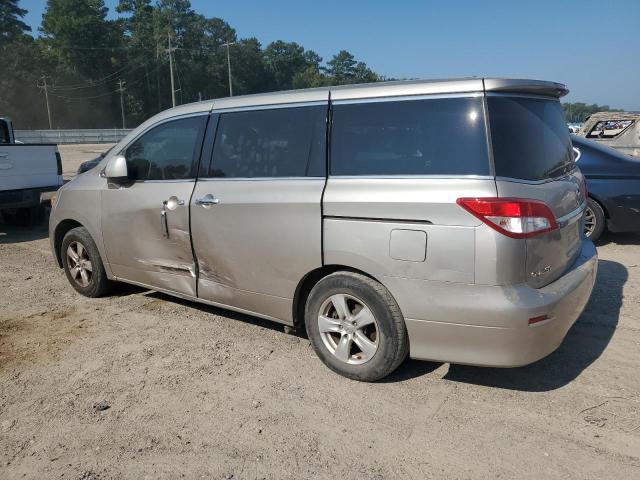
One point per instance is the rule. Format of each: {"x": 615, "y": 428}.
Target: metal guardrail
{"x": 106, "y": 135}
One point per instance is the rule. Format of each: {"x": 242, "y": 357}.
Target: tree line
{"x": 578, "y": 112}
{"x": 87, "y": 61}
{"x": 89, "y": 68}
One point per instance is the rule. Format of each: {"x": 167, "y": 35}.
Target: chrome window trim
{"x": 181, "y": 180}
{"x": 566, "y": 219}
{"x": 414, "y": 177}
{"x": 578, "y": 154}
{"x": 275, "y": 106}
{"x": 261, "y": 179}
{"x": 535, "y": 182}
{"x": 405, "y": 98}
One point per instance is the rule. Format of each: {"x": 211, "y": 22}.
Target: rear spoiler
{"x": 535, "y": 87}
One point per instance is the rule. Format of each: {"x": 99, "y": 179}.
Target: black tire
{"x": 25, "y": 217}
{"x": 391, "y": 334}
{"x": 98, "y": 284}
{"x": 594, "y": 213}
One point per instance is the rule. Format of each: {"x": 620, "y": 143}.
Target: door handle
{"x": 171, "y": 203}
{"x": 207, "y": 200}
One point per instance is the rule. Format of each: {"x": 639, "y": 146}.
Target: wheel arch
{"x": 60, "y": 231}
{"x": 307, "y": 283}
{"x": 602, "y": 204}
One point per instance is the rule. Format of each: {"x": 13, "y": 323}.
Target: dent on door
{"x": 147, "y": 236}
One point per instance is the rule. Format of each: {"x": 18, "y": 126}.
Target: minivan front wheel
{"x": 355, "y": 326}
{"x": 82, "y": 264}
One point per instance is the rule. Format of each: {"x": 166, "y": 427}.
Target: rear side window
{"x": 168, "y": 151}
{"x": 609, "y": 128}
{"x": 281, "y": 142}
{"x": 414, "y": 137}
{"x": 529, "y": 137}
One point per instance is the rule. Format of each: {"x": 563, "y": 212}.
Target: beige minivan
{"x": 437, "y": 219}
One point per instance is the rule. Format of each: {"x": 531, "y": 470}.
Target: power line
{"x": 99, "y": 82}
{"x": 66, "y": 98}
{"x": 83, "y": 98}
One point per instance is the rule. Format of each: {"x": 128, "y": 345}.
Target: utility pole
{"x": 121, "y": 88}
{"x": 227, "y": 43}
{"x": 44, "y": 86}
{"x": 173, "y": 90}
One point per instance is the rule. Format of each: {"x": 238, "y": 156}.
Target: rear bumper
{"x": 500, "y": 334}
{"x": 28, "y": 197}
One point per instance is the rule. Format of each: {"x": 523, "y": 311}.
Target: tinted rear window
{"x": 529, "y": 137}
{"x": 416, "y": 137}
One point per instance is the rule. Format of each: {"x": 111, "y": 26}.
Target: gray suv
{"x": 437, "y": 219}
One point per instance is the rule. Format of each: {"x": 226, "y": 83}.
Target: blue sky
{"x": 591, "y": 45}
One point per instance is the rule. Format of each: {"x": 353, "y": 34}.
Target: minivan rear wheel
{"x": 355, "y": 326}
{"x": 82, "y": 264}
{"x": 594, "y": 220}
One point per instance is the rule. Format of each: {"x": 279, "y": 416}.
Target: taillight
{"x": 513, "y": 217}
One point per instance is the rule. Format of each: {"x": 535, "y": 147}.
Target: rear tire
{"x": 356, "y": 327}
{"x": 594, "y": 220}
{"x": 83, "y": 265}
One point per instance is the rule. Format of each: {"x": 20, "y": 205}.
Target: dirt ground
{"x": 142, "y": 385}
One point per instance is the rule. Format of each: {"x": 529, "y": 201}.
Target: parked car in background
{"x": 89, "y": 164}
{"x": 619, "y": 130}
{"x": 29, "y": 175}
{"x": 379, "y": 217}
{"x": 574, "y": 127}
{"x": 613, "y": 183}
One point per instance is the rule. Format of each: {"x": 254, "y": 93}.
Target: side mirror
{"x": 116, "y": 169}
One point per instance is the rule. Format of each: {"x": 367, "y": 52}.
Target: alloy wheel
{"x": 589, "y": 222}
{"x": 348, "y": 329}
{"x": 79, "y": 263}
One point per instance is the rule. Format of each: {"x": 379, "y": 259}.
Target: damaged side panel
{"x": 148, "y": 241}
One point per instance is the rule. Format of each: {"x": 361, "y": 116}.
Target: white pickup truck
{"x": 29, "y": 175}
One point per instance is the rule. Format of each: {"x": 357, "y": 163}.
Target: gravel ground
{"x": 142, "y": 385}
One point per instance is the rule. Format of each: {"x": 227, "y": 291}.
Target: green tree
{"x": 311, "y": 77}
{"x": 11, "y": 25}
{"x": 579, "y": 112}
{"x": 83, "y": 54}
{"x": 344, "y": 69}
{"x": 286, "y": 60}
{"x": 81, "y": 36}
{"x": 22, "y": 65}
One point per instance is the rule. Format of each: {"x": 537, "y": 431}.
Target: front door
{"x": 256, "y": 212}
{"x": 145, "y": 224}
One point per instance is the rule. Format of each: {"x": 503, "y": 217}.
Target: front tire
{"x": 594, "y": 220}
{"x": 82, "y": 264}
{"x": 355, "y": 326}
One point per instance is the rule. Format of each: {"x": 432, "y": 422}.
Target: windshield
{"x": 529, "y": 137}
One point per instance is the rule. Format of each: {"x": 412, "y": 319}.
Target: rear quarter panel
{"x": 368, "y": 222}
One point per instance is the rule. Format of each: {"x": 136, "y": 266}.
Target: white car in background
{"x": 29, "y": 175}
